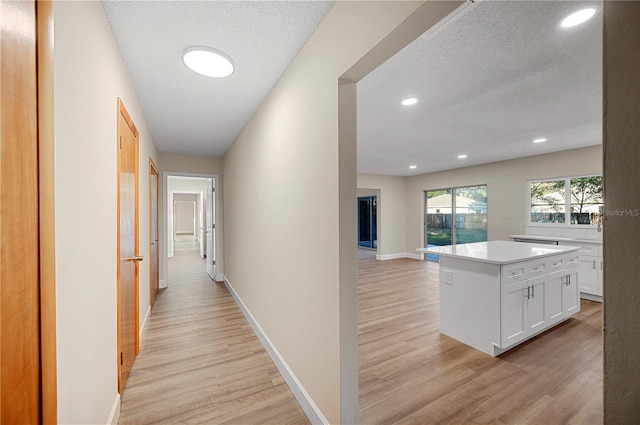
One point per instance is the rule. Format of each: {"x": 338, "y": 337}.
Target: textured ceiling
{"x": 189, "y": 113}
{"x": 490, "y": 80}
{"x": 495, "y": 77}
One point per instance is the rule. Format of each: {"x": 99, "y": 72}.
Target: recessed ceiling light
{"x": 413, "y": 167}
{"x": 540, "y": 140}
{"x": 462, "y": 156}
{"x": 578, "y": 17}
{"x": 208, "y": 61}
{"x": 410, "y": 101}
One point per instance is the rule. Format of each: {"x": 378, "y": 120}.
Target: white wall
{"x": 185, "y": 213}
{"x": 391, "y": 214}
{"x": 289, "y": 191}
{"x": 506, "y": 188}
{"x": 194, "y": 195}
{"x": 88, "y": 77}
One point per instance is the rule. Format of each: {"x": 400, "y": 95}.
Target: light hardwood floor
{"x": 200, "y": 362}
{"x": 411, "y": 374}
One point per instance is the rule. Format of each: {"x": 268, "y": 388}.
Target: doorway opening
{"x": 190, "y": 227}
{"x": 368, "y": 222}
{"x": 454, "y": 216}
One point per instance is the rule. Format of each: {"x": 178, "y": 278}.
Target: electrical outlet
{"x": 448, "y": 277}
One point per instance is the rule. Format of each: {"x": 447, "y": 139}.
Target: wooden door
{"x": 128, "y": 258}
{"x": 19, "y": 263}
{"x": 27, "y": 236}
{"x": 154, "y": 281}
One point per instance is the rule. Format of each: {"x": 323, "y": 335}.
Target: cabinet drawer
{"x": 586, "y": 248}
{"x": 556, "y": 263}
{"x": 572, "y": 260}
{"x": 514, "y": 273}
{"x": 537, "y": 267}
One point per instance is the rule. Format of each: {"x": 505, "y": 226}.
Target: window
{"x": 455, "y": 216}
{"x": 571, "y": 200}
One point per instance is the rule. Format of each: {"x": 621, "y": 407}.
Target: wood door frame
{"x": 154, "y": 287}
{"x": 122, "y": 110}
{"x": 48, "y": 352}
{"x": 42, "y": 85}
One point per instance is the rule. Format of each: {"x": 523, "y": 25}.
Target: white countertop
{"x": 556, "y": 238}
{"x": 499, "y": 252}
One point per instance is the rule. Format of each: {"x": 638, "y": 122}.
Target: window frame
{"x": 567, "y": 201}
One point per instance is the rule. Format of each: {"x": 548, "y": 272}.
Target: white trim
{"x": 399, "y": 255}
{"x": 304, "y": 399}
{"x": 164, "y": 261}
{"x": 143, "y": 328}
{"x": 219, "y": 277}
{"x": 590, "y": 297}
{"x": 114, "y": 415}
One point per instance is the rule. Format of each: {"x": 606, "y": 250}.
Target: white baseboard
{"x": 162, "y": 284}
{"x": 143, "y": 328}
{"x": 306, "y": 402}
{"x": 415, "y": 256}
{"x": 114, "y": 415}
{"x": 590, "y": 297}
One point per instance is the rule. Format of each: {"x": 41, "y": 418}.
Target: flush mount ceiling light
{"x": 410, "y": 101}
{"x": 578, "y": 17}
{"x": 462, "y": 156}
{"x": 208, "y": 61}
{"x": 413, "y": 167}
{"x": 541, "y": 140}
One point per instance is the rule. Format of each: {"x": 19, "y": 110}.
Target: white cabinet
{"x": 524, "y": 309}
{"x": 590, "y": 280}
{"x": 494, "y": 307}
{"x": 571, "y": 293}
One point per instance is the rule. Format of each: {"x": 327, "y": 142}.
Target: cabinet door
{"x": 536, "y": 303}
{"x": 555, "y": 289}
{"x": 588, "y": 278}
{"x": 514, "y": 312}
{"x": 571, "y": 293}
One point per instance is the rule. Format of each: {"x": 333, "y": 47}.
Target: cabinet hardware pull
{"x": 533, "y": 291}
{"x": 594, "y": 264}
{"x": 557, "y": 263}
{"x": 528, "y": 292}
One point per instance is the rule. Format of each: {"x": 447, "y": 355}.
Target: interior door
{"x": 19, "y": 257}
{"x": 128, "y": 267}
{"x": 210, "y": 206}
{"x": 202, "y": 235}
{"x": 154, "y": 274}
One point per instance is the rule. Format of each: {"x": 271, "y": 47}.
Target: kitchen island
{"x": 495, "y": 295}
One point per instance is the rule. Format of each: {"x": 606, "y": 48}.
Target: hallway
{"x": 199, "y": 361}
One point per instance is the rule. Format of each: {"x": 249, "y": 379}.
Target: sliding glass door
{"x": 367, "y": 222}
{"x": 455, "y": 216}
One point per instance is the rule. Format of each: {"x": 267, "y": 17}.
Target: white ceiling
{"x": 497, "y": 76}
{"x": 492, "y": 79}
{"x": 187, "y": 112}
